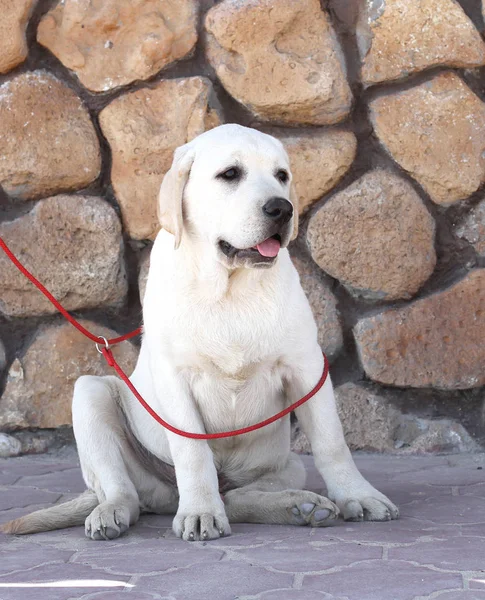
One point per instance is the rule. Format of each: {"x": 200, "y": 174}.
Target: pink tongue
{"x": 269, "y": 248}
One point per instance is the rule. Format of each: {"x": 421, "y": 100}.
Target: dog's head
{"x": 231, "y": 188}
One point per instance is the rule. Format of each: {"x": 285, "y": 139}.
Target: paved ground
{"x": 436, "y": 550}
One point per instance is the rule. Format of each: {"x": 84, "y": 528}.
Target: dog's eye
{"x": 282, "y": 175}
{"x": 231, "y": 174}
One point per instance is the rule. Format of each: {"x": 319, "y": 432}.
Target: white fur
{"x": 225, "y": 344}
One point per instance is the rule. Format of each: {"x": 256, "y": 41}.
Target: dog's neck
{"x": 210, "y": 280}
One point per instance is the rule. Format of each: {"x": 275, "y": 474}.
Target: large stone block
{"x": 282, "y": 61}
{"x": 324, "y": 307}
{"x": 3, "y": 358}
{"x": 40, "y": 383}
{"x": 400, "y": 37}
{"x": 472, "y": 228}
{"x": 9, "y": 446}
{"x": 372, "y": 423}
{"x": 434, "y": 342}
{"x": 73, "y": 245}
{"x": 319, "y": 159}
{"x": 376, "y": 237}
{"x": 110, "y": 43}
{"x": 13, "y": 23}
{"x": 143, "y": 129}
{"x": 435, "y": 132}
{"x": 49, "y": 144}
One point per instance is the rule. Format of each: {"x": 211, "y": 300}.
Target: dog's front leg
{"x": 201, "y": 514}
{"x": 356, "y": 498}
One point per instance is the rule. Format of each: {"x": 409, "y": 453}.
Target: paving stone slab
{"x": 447, "y": 510}
{"x": 29, "y": 557}
{"x": 477, "y": 583}
{"x": 295, "y": 595}
{"x": 71, "y": 481}
{"x": 217, "y": 581}
{"x": 149, "y": 558}
{"x": 463, "y": 595}
{"x": 456, "y": 554}
{"x": 13, "y": 498}
{"x": 368, "y": 580}
{"x": 289, "y": 556}
{"x": 58, "y": 582}
{"x": 435, "y": 550}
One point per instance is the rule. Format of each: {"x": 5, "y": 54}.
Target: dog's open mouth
{"x": 267, "y": 250}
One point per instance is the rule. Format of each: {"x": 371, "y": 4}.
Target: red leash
{"x": 108, "y": 355}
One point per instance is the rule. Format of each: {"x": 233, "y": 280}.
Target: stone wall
{"x": 380, "y": 104}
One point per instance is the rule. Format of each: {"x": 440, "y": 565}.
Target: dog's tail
{"x": 63, "y": 515}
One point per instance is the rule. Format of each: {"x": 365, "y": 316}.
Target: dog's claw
{"x": 191, "y": 536}
{"x": 205, "y": 535}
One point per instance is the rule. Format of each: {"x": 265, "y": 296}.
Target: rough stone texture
{"x": 376, "y": 237}
{"x": 434, "y": 550}
{"x": 371, "y": 422}
{"x": 434, "y": 342}
{"x": 37, "y": 442}
{"x": 435, "y": 132}
{"x": 40, "y": 383}
{"x": 319, "y": 159}
{"x": 121, "y": 41}
{"x": 398, "y": 37}
{"x": 48, "y": 142}
{"x": 143, "y": 129}
{"x": 472, "y": 228}
{"x": 13, "y": 45}
{"x": 368, "y": 420}
{"x": 9, "y": 446}
{"x": 324, "y": 307}
{"x": 288, "y": 68}
{"x": 73, "y": 245}
{"x": 3, "y": 357}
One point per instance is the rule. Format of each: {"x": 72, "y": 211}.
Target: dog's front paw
{"x": 193, "y": 527}
{"x": 365, "y": 504}
{"x": 107, "y": 521}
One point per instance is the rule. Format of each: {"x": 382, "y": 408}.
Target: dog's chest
{"x": 231, "y": 362}
{"x": 247, "y": 394}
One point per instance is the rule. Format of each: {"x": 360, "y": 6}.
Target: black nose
{"x": 278, "y": 209}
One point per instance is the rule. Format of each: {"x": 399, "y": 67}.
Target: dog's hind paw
{"x": 312, "y": 509}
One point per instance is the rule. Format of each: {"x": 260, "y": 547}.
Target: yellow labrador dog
{"x": 229, "y": 340}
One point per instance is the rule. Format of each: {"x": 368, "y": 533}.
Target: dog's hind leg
{"x": 105, "y": 456}
{"x": 277, "y": 497}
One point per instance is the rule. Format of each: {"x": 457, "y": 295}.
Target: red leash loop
{"x": 103, "y": 346}
{"x": 212, "y": 436}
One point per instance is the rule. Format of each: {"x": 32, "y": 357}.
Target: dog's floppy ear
{"x": 294, "y": 201}
{"x": 172, "y": 191}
